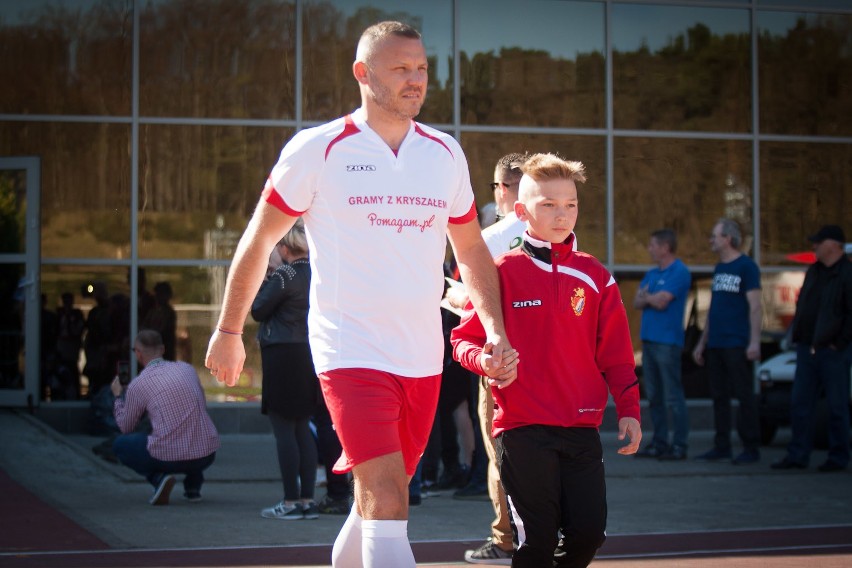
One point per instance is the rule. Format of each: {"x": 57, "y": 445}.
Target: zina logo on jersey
{"x": 360, "y": 168}
{"x": 526, "y": 303}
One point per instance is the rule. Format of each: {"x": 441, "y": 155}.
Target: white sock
{"x": 385, "y": 544}
{"x": 346, "y": 552}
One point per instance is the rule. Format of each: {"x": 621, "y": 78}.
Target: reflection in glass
{"x": 331, "y": 33}
{"x": 218, "y": 59}
{"x": 679, "y": 68}
{"x": 805, "y": 73}
{"x": 85, "y": 185}
{"x": 66, "y": 57}
{"x": 85, "y": 362}
{"x": 484, "y": 149}
{"x": 683, "y": 185}
{"x": 13, "y": 200}
{"x": 542, "y": 65}
{"x": 199, "y": 184}
{"x": 802, "y": 188}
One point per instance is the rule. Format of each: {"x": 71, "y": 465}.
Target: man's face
{"x": 656, "y": 249}
{"x": 397, "y": 77}
{"x": 504, "y": 200}
{"x": 825, "y": 250}
{"x": 718, "y": 241}
{"x": 549, "y": 208}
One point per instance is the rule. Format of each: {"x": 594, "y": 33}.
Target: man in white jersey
{"x": 395, "y": 189}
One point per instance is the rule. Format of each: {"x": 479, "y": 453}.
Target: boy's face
{"x": 549, "y": 208}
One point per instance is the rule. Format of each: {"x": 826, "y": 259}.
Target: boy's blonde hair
{"x": 541, "y": 167}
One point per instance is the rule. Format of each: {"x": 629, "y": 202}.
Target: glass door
{"x": 20, "y": 298}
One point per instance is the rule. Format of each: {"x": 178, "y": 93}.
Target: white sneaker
{"x": 284, "y": 512}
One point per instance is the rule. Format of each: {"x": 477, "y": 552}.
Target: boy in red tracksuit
{"x": 564, "y": 315}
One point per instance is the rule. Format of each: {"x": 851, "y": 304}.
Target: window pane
{"x": 198, "y": 185}
{"x": 805, "y": 73}
{"x": 85, "y": 185}
{"x": 483, "y": 150}
{"x": 218, "y": 59}
{"x": 680, "y": 68}
{"x": 196, "y": 295}
{"x": 66, "y": 57}
{"x": 685, "y": 185}
{"x": 332, "y": 30}
{"x": 86, "y": 362}
{"x": 542, "y": 65}
{"x": 801, "y": 189}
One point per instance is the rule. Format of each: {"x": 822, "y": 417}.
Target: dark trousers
{"x": 297, "y": 456}
{"x": 732, "y": 374}
{"x": 554, "y": 480}
{"x": 132, "y": 451}
{"x": 328, "y": 445}
{"x": 826, "y": 369}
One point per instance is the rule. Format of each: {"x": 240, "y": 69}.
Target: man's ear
{"x": 520, "y": 211}
{"x": 359, "y": 70}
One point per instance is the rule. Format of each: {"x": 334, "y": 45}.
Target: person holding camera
{"x": 183, "y": 439}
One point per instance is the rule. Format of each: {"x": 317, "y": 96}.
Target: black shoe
{"x": 651, "y": 451}
{"x": 473, "y": 492}
{"x": 163, "y": 490}
{"x": 830, "y": 466}
{"x": 675, "y": 453}
{"x": 454, "y": 478}
{"x": 715, "y": 454}
{"x": 414, "y": 500}
{"x": 747, "y": 457}
{"x": 787, "y": 463}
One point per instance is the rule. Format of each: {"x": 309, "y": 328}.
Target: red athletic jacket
{"x": 563, "y": 313}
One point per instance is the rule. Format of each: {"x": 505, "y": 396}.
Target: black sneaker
{"x": 489, "y": 553}
{"x": 787, "y": 463}
{"x": 651, "y": 451}
{"x": 192, "y": 496}
{"x": 310, "y": 511}
{"x": 473, "y": 492}
{"x": 747, "y": 457}
{"x": 715, "y": 454}
{"x": 163, "y": 490}
{"x": 675, "y": 453}
{"x": 329, "y": 506}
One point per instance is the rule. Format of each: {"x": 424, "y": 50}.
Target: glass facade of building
{"x": 156, "y": 124}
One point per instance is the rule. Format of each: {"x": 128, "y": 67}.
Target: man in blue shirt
{"x": 732, "y": 340}
{"x": 662, "y": 299}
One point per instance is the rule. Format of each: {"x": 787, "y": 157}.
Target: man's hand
{"x": 116, "y": 387}
{"x": 629, "y": 428}
{"x": 698, "y": 355}
{"x": 501, "y": 369}
{"x": 753, "y": 351}
{"x": 226, "y": 355}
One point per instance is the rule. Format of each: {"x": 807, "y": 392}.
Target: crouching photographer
{"x": 183, "y": 439}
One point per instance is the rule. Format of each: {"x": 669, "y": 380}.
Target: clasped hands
{"x": 500, "y": 365}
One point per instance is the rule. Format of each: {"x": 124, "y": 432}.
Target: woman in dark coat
{"x": 290, "y": 386}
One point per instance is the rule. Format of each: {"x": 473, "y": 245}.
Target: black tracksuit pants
{"x": 554, "y": 481}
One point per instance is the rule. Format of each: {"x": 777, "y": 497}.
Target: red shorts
{"x": 376, "y": 413}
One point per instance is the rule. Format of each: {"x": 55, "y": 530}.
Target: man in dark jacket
{"x": 822, "y": 332}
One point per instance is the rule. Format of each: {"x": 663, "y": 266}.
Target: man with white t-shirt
{"x": 395, "y": 189}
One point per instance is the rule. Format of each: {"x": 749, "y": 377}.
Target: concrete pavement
{"x": 648, "y": 499}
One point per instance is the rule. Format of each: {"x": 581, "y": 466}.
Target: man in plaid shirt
{"x": 183, "y": 438}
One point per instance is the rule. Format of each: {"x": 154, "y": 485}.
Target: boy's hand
{"x": 629, "y": 428}
{"x": 501, "y": 371}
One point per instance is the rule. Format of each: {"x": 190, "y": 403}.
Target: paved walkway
{"x": 64, "y": 506}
